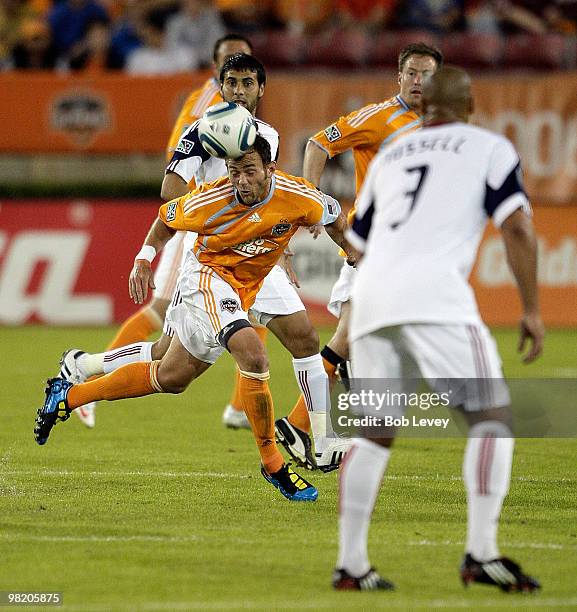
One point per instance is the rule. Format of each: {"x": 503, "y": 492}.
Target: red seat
{"x": 472, "y": 50}
{"x": 384, "y": 49}
{"x": 340, "y": 48}
{"x": 278, "y": 48}
{"x": 537, "y": 51}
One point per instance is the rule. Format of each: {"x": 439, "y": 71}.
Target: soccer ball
{"x": 226, "y": 130}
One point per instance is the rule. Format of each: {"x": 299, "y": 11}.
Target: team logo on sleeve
{"x": 184, "y": 146}
{"x": 280, "y": 228}
{"x": 332, "y": 133}
{"x": 229, "y": 304}
{"x": 171, "y": 211}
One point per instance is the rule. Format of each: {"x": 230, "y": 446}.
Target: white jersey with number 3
{"x": 420, "y": 217}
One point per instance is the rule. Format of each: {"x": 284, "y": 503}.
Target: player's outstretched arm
{"x": 521, "y": 247}
{"x": 141, "y": 277}
{"x": 314, "y": 163}
{"x": 173, "y": 186}
{"x": 336, "y": 231}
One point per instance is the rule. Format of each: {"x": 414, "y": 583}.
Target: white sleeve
{"x": 188, "y": 156}
{"x": 504, "y": 191}
{"x": 331, "y": 210}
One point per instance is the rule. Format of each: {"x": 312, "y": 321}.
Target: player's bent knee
{"x": 306, "y": 343}
{"x": 240, "y": 339}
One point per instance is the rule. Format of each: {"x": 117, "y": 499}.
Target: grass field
{"x": 161, "y": 508}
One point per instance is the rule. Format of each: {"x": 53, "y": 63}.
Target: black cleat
{"x": 296, "y": 443}
{"x": 502, "y": 572}
{"x": 55, "y": 409}
{"x": 371, "y": 581}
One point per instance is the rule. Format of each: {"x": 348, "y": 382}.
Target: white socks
{"x": 360, "y": 480}
{"x": 487, "y": 473}
{"x": 104, "y": 363}
{"x": 314, "y": 385}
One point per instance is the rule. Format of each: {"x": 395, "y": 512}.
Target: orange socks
{"x": 136, "y": 328}
{"x": 299, "y": 416}
{"x": 132, "y": 380}
{"x": 236, "y": 400}
{"x": 258, "y": 406}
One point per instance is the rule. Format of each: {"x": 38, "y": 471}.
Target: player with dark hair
{"x": 221, "y": 278}
{"x": 363, "y": 132}
{"x": 149, "y": 318}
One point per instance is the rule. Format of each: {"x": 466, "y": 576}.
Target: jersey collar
{"x": 403, "y": 103}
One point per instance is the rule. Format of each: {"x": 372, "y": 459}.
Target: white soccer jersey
{"x": 191, "y": 161}
{"x": 420, "y": 217}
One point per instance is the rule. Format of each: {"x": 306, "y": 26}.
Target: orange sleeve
{"x": 347, "y": 133}
{"x": 172, "y": 214}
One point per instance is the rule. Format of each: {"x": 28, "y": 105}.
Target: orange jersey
{"x": 242, "y": 243}
{"x": 366, "y": 130}
{"x": 196, "y": 103}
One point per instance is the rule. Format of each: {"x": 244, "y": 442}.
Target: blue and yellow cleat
{"x": 290, "y": 484}
{"x": 55, "y": 409}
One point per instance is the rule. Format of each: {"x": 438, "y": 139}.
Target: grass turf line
{"x": 160, "y": 507}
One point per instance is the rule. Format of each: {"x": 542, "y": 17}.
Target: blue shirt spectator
{"x": 438, "y": 16}
{"x": 70, "y": 19}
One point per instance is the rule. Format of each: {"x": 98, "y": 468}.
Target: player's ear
{"x": 399, "y": 78}
{"x": 270, "y": 168}
{"x": 260, "y": 91}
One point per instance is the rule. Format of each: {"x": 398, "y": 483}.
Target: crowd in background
{"x": 169, "y": 36}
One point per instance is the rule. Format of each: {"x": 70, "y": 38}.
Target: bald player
{"x": 420, "y": 217}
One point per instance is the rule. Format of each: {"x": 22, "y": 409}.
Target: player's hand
{"x": 531, "y": 336}
{"x": 286, "y": 264}
{"x": 316, "y": 231}
{"x": 141, "y": 278}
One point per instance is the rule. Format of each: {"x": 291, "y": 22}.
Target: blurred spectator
{"x": 198, "y": 26}
{"x": 154, "y": 57}
{"x": 504, "y": 16}
{"x": 12, "y": 15}
{"x": 35, "y": 50}
{"x": 437, "y": 16}
{"x": 372, "y": 15}
{"x": 561, "y": 16}
{"x": 249, "y": 16}
{"x": 125, "y": 35}
{"x": 303, "y": 16}
{"x": 93, "y": 53}
{"x": 69, "y": 20}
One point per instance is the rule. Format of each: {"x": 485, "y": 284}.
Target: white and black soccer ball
{"x": 226, "y": 130}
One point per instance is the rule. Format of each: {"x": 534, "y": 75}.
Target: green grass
{"x": 160, "y": 507}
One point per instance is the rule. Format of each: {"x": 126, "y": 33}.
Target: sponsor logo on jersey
{"x": 257, "y": 246}
{"x": 171, "y": 211}
{"x": 255, "y": 218}
{"x": 332, "y": 133}
{"x": 81, "y": 115}
{"x": 280, "y": 228}
{"x": 229, "y": 304}
{"x": 184, "y": 146}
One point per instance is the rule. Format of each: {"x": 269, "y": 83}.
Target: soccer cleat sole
{"x": 310, "y": 494}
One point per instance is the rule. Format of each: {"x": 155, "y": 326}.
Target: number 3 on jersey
{"x": 414, "y": 194}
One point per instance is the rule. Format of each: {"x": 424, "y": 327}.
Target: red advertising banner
{"x": 66, "y": 262}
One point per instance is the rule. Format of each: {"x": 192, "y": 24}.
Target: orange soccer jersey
{"x": 366, "y": 130}
{"x": 196, "y": 103}
{"x": 242, "y": 243}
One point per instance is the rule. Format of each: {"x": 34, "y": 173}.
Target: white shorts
{"x": 342, "y": 290}
{"x": 435, "y": 353}
{"x": 168, "y": 269}
{"x": 277, "y": 296}
{"x": 203, "y": 305}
